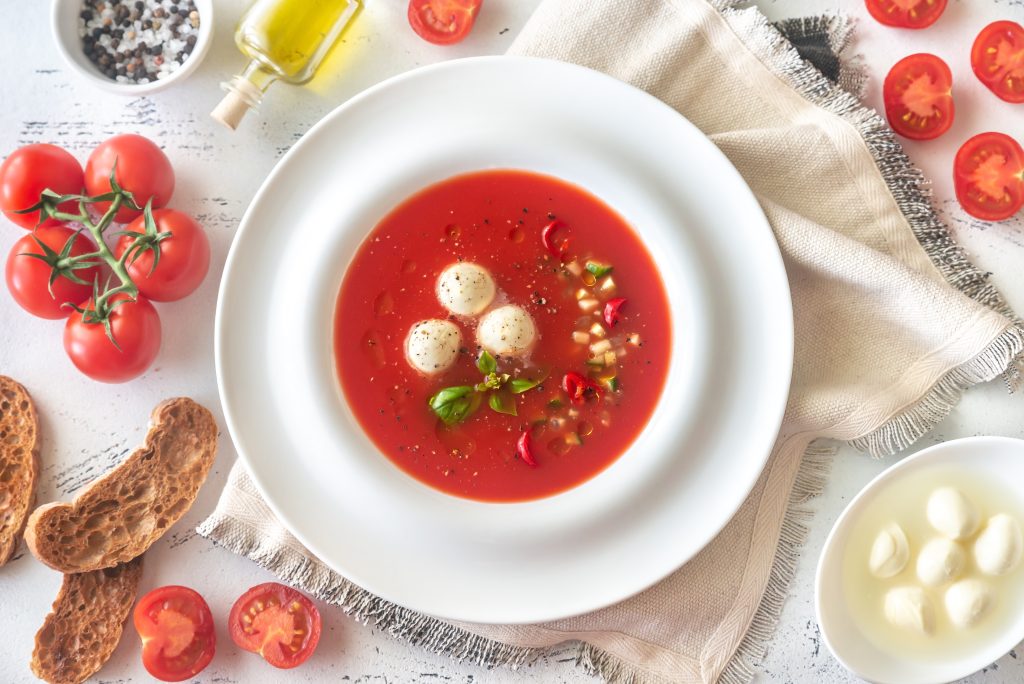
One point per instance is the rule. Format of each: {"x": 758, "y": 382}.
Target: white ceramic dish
{"x": 603, "y": 541}
{"x": 997, "y": 458}
{"x": 64, "y": 24}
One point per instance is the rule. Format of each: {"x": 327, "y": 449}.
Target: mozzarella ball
{"x": 507, "y": 331}
{"x": 940, "y": 560}
{"x": 465, "y": 289}
{"x": 967, "y": 601}
{"x": 952, "y": 513}
{"x": 909, "y": 608}
{"x": 432, "y": 345}
{"x": 997, "y": 550}
{"x": 890, "y": 552}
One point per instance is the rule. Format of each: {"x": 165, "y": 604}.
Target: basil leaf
{"x": 454, "y": 404}
{"x": 486, "y": 363}
{"x": 520, "y": 385}
{"x": 502, "y": 403}
{"x": 599, "y": 269}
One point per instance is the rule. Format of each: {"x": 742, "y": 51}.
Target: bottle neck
{"x": 244, "y": 92}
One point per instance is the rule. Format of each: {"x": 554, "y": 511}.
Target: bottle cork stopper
{"x": 230, "y": 110}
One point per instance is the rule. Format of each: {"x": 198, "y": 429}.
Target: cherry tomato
{"x": 28, "y": 278}
{"x": 443, "y": 22}
{"x": 914, "y": 14}
{"x": 142, "y": 168}
{"x": 612, "y": 310}
{"x": 918, "y": 97}
{"x": 277, "y": 622}
{"x": 557, "y": 247}
{"x": 178, "y": 638}
{"x": 184, "y": 257}
{"x": 998, "y": 59}
{"x": 577, "y": 386}
{"x": 30, "y": 170}
{"x": 988, "y": 174}
{"x": 136, "y": 327}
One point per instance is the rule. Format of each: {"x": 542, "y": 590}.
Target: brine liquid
{"x": 904, "y": 502}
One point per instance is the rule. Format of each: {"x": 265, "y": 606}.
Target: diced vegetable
{"x": 633, "y": 339}
{"x": 612, "y": 384}
{"x": 581, "y": 337}
{"x": 596, "y": 362}
{"x": 573, "y": 439}
{"x": 600, "y": 347}
{"x": 574, "y": 268}
{"x": 597, "y": 330}
{"x": 589, "y": 304}
{"x": 609, "y": 358}
{"x": 598, "y": 269}
{"x": 608, "y": 285}
{"x": 582, "y": 293}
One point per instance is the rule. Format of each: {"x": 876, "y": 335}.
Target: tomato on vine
{"x": 44, "y": 273}
{"x": 178, "y": 267}
{"x": 142, "y": 169}
{"x": 27, "y": 172}
{"x": 116, "y": 345}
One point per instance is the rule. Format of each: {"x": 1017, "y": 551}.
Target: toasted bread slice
{"x": 19, "y": 463}
{"x": 119, "y": 516}
{"x": 85, "y": 624}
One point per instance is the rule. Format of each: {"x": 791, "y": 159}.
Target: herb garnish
{"x": 455, "y": 404}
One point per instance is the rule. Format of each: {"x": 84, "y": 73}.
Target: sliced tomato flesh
{"x": 914, "y": 14}
{"x": 176, "y": 627}
{"x": 988, "y": 175}
{"x": 918, "y": 97}
{"x": 443, "y": 22}
{"x": 997, "y": 59}
{"x": 276, "y": 621}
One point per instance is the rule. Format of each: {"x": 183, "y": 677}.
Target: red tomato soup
{"x": 502, "y": 336}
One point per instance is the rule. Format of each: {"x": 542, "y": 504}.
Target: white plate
{"x": 625, "y": 529}
{"x": 993, "y": 458}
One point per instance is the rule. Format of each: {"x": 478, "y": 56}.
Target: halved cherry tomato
{"x": 918, "y": 97}
{"x": 279, "y": 623}
{"x": 30, "y": 170}
{"x": 136, "y": 327}
{"x": 577, "y": 386}
{"x": 998, "y": 59}
{"x": 142, "y": 168}
{"x": 28, "y": 278}
{"x": 178, "y": 638}
{"x": 524, "y": 449}
{"x": 988, "y": 174}
{"x": 184, "y": 256}
{"x": 612, "y": 309}
{"x": 914, "y": 14}
{"x": 443, "y": 22}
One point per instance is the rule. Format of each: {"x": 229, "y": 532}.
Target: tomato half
{"x": 918, "y": 97}
{"x": 30, "y": 170}
{"x": 998, "y": 59}
{"x": 184, "y": 256}
{"x": 913, "y": 14}
{"x": 136, "y": 327}
{"x": 28, "y": 278}
{"x": 142, "y": 168}
{"x": 988, "y": 174}
{"x": 443, "y": 22}
{"x": 279, "y": 623}
{"x": 178, "y": 638}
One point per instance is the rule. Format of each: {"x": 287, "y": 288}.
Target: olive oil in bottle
{"x": 283, "y": 39}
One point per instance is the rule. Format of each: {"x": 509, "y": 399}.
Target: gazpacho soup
{"x": 502, "y": 336}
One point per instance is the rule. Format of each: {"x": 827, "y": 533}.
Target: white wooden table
{"x": 87, "y": 427}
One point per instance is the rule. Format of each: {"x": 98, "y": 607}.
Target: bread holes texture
{"x": 118, "y": 516}
{"x": 85, "y": 623}
{"x": 19, "y": 463}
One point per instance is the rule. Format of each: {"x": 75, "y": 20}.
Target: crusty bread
{"x": 19, "y": 463}
{"x": 118, "y": 516}
{"x": 85, "y": 624}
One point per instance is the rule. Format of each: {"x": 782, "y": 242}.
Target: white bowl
{"x": 64, "y": 22}
{"x": 999, "y": 459}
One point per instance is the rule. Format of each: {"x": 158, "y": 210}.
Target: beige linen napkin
{"x": 892, "y": 322}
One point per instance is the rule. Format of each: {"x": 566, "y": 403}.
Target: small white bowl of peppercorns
{"x": 133, "y": 47}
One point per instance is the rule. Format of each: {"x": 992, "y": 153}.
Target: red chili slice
{"x": 577, "y": 386}
{"x": 547, "y": 236}
{"x": 611, "y": 310}
{"x": 524, "y": 449}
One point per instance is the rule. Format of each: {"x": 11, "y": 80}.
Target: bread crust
{"x": 19, "y": 463}
{"x": 85, "y": 623}
{"x": 118, "y": 516}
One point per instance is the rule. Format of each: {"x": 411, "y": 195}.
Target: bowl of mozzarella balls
{"x": 921, "y": 580}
